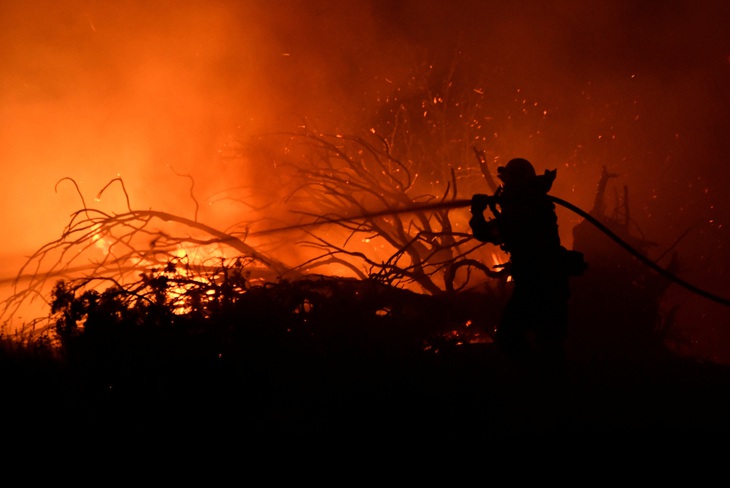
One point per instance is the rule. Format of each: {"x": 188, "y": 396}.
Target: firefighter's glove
{"x": 479, "y": 203}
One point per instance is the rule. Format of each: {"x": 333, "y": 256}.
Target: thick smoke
{"x": 154, "y": 90}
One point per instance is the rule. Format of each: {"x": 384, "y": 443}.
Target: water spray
{"x": 443, "y": 205}
{"x": 461, "y": 203}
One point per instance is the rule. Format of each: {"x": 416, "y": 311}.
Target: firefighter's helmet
{"x": 516, "y": 171}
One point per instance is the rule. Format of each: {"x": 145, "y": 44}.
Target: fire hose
{"x": 460, "y": 203}
{"x": 651, "y": 264}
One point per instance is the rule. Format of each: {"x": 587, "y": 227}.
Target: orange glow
{"x": 176, "y": 100}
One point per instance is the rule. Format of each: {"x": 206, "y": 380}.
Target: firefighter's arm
{"x": 479, "y": 203}
{"x": 483, "y": 230}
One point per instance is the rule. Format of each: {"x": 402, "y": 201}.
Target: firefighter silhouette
{"x": 525, "y": 225}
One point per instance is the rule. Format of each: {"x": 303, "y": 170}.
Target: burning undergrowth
{"x": 415, "y": 240}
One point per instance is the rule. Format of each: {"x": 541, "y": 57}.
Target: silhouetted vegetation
{"x": 329, "y": 356}
{"x": 158, "y": 321}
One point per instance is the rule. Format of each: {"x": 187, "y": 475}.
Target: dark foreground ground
{"x": 409, "y": 377}
{"x": 461, "y": 392}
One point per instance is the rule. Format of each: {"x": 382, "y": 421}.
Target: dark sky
{"x": 92, "y": 90}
